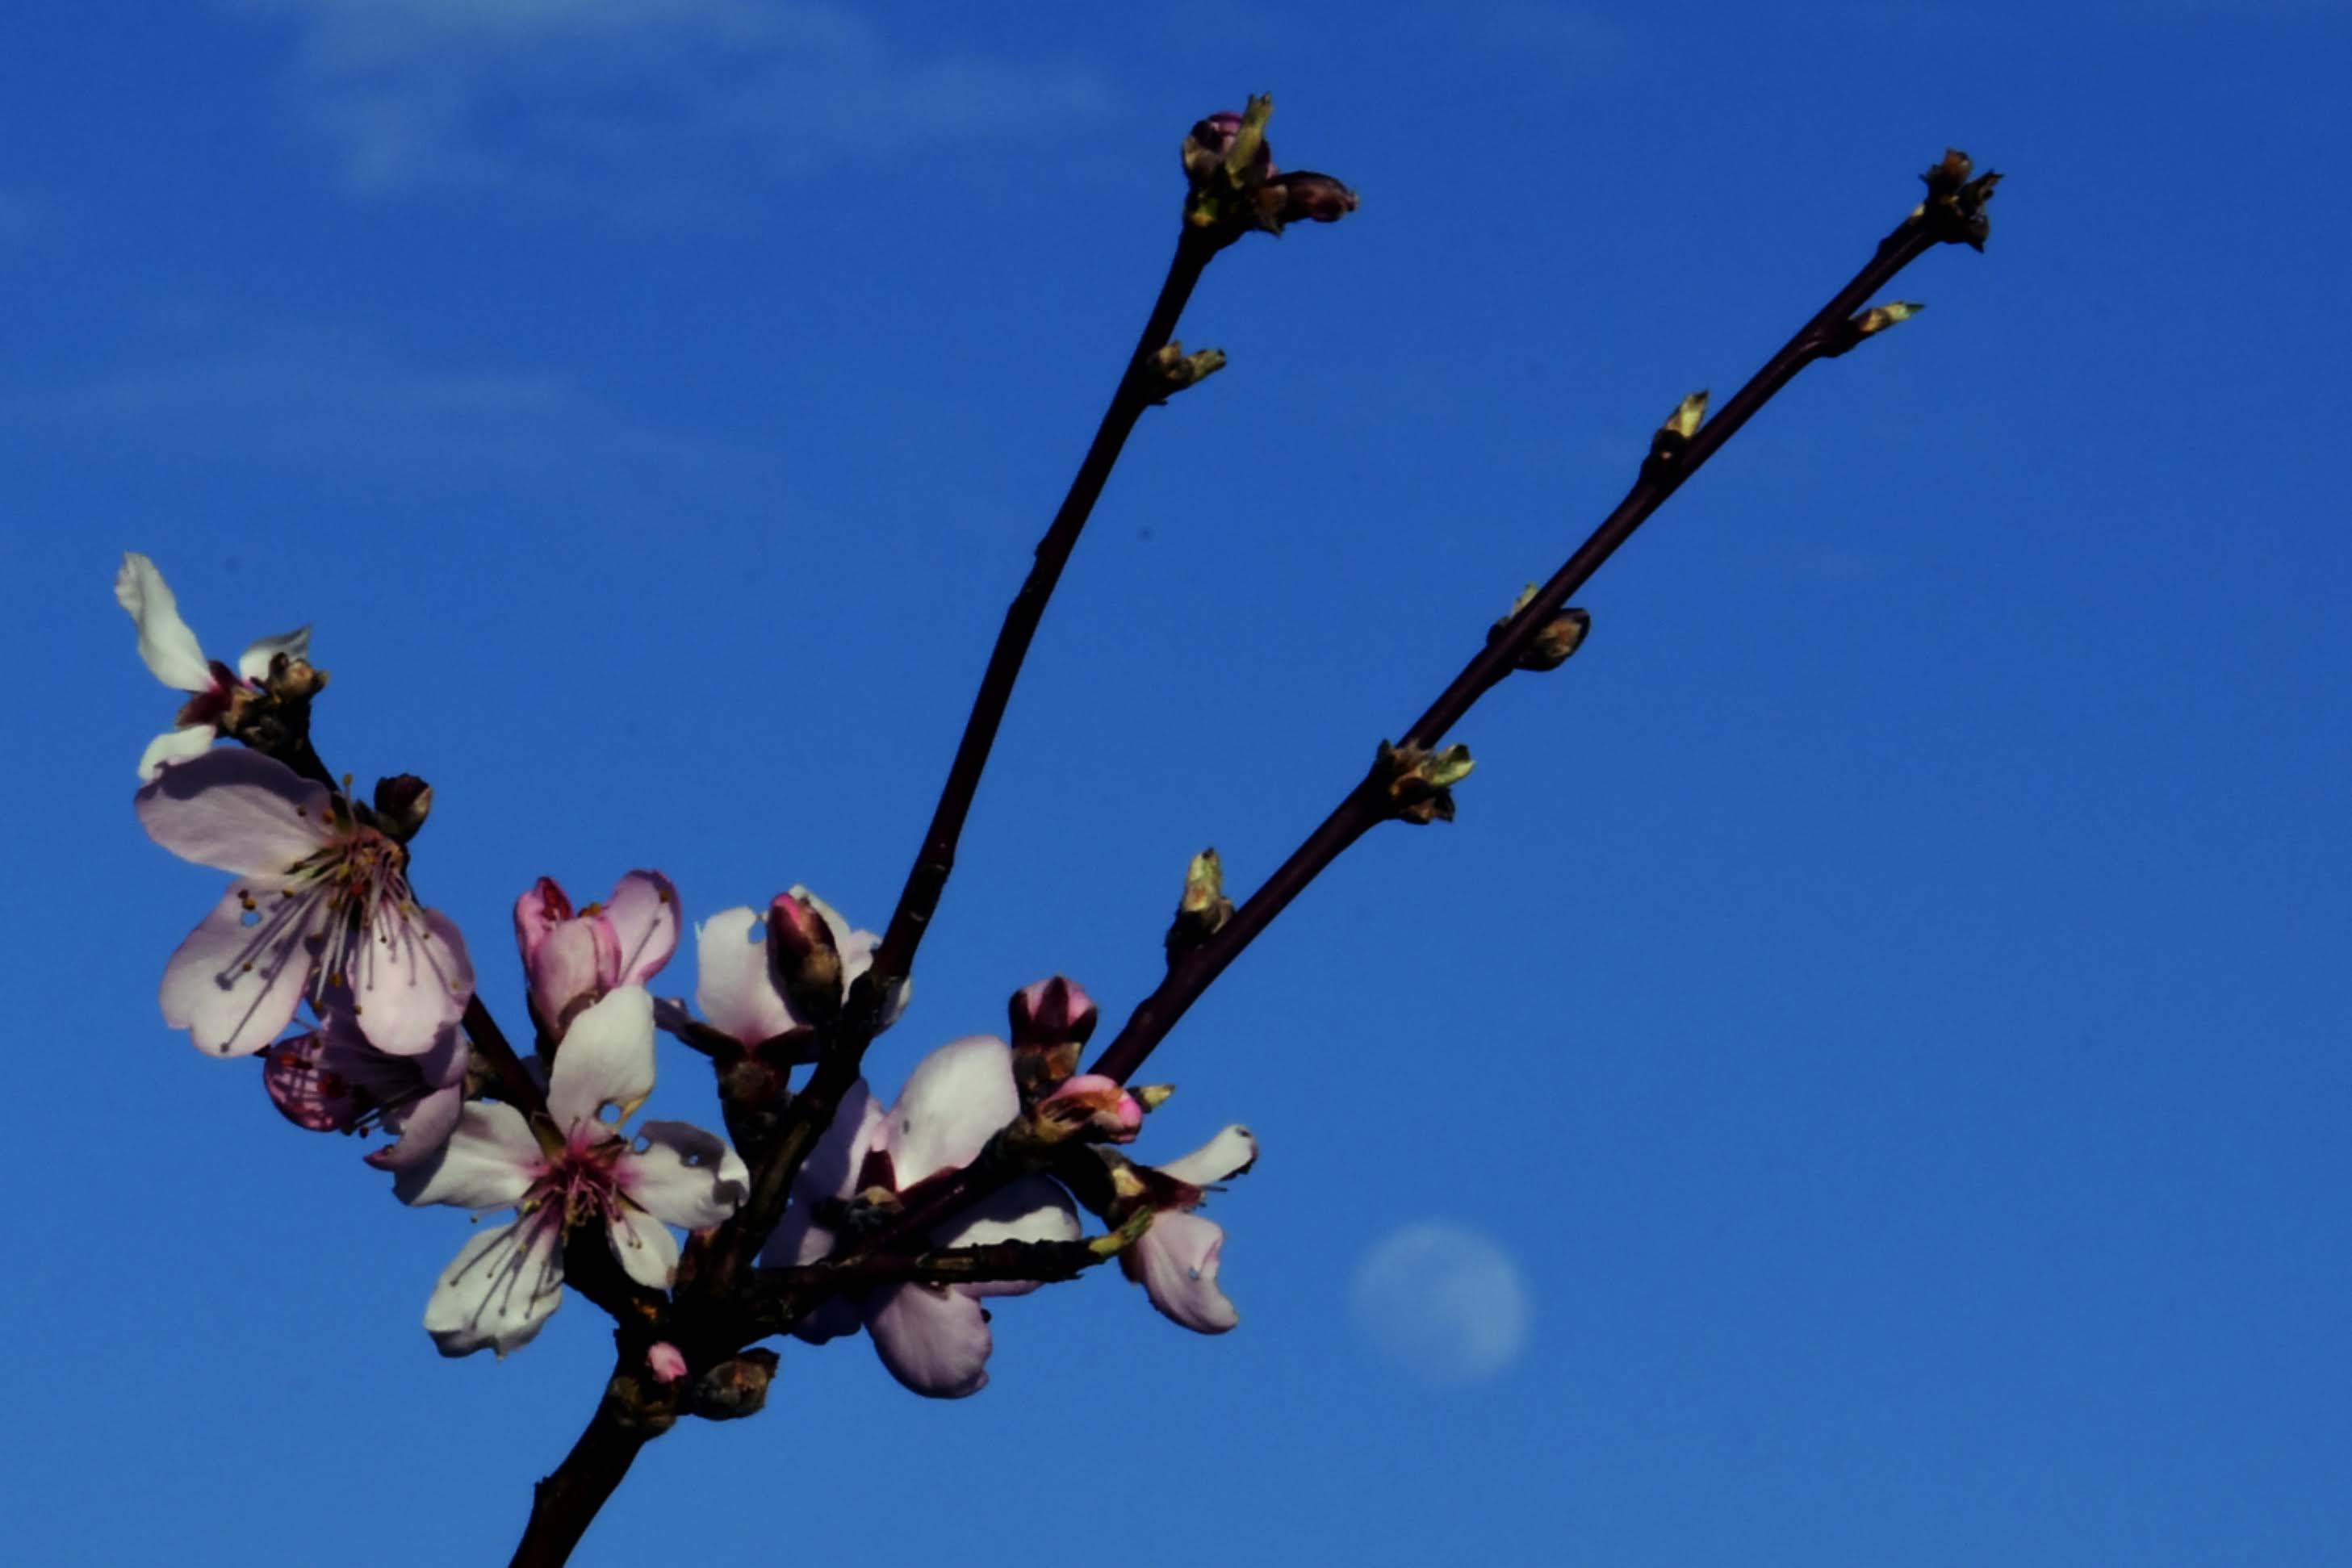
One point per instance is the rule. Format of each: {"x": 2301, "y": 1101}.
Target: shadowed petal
{"x": 173, "y": 746}
{"x": 500, "y": 1289}
{"x": 934, "y": 1340}
{"x": 607, "y": 1058}
{"x": 234, "y": 985}
{"x": 490, "y": 1161}
{"x": 414, "y": 982}
{"x": 1176, "y": 1262}
{"x": 1224, "y": 1157}
{"x": 254, "y": 663}
{"x": 642, "y": 1246}
{"x": 957, "y": 1098}
{"x": 425, "y": 1129}
{"x": 1034, "y": 1209}
{"x": 731, "y": 985}
{"x": 684, "y": 1175}
{"x": 235, "y": 810}
{"x": 643, "y": 920}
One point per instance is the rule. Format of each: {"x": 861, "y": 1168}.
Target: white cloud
{"x": 308, "y": 394}
{"x": 571, "y": 96}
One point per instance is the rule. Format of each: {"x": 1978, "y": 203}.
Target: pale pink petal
{"x": 1176, "y": 1262}
{"x": 934, "y": 1340}
{"x": 1222, "y": 1158}
{"x": 607, "y": 1060}
{"x": 538, "y": 912}
{"x": 642, "y": 1246}
{"x": 682, "y": 1175}
{"x": 490, "y": 1161}
{"x": 425, "y": 1128}
{"x": 165, "y": 642}
{"x": 957, "y": 1098}
{"x": 644, "y": 917}
{"x": 830, "y": 1172}
{"x": 254, "y": 663}
{"x": 234, "y": 985}
{"x": 563, "y": 973}
{"x": 665, "y": 1361}
{"x": 731, "y": 986}
{"x": 413, "y": 981}
{"x": 1032, "y": 1208}
{"x": 501, "y": 1287}
{"x": 173, "y": 746}
{"x": 235, "y": 810}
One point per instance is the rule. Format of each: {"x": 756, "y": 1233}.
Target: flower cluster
{"x": 321, "y": 914}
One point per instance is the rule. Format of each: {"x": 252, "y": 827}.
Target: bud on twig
{"x": 1232, "y": 185}
{"x": 1955, "y": 208}
{"x": 1419, "y": 783}
{"x": 803, "y": 960}
{"x": 1674, "y": 437}
{"x": 402, "y": 804}
{"x": 1203, "y": 909}
{"x": 1848, "y": 335}
{"x": 736, "y": 1387}
{"x": 1092, "y": 1107}
{"x": 1052, "y": 1020}
{"x": 1554, "y": 645}
{"x": 1171, "y": 370}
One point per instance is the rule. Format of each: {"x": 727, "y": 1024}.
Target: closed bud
{"x": 1419, "y": 783}
{"x": 1848, "y": 335}
{"x": 1674, "y": 437}
{"x": 1051, "y": 1012}
{"x": 1091, "y": 1107}
{"x": 402, "y": 804}
{"x": 1205, "y": 908}
{"x": 1554, "y": 643}
{"x": 1170, "y": 369}
{"x": 736, "y": 1387}
{"x": 666, "y": 1362}
{"x": 803, "y": 959}
{"x": 1955, "y": 207}
{"x": 308, "y": 1092}
{"x": 1304, "y": 197}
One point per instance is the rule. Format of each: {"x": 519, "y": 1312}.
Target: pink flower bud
{"x": 804, "y": 959}
{"x": 1051, "y": 1012}
{"x": 666, "y": 1362}
{"x": 306, "y": 1092}
{"x": 1094, "y": 1107}
{"x": 1311, "y": 198}
{"x": 1212, "y": 138}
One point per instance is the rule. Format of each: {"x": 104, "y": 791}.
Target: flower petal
{"x": 562, "y": 968}
{"x": 414, "y": 982}
{"x": 170, "y": 649}
{"x": 857, "y": 948}
{"x": 731, "y": 985}
{"x": 684, "y": 1175}
{"x": 934, "y": 1340}
{"x": 236, "y": 810}
{"x": 644, "y": 916}
{"x": 607, "y": 1058}
{"x": 1222, "y": 1158}
{"x": 642, "y": 1246}
{"x": 172, "y": 746}
{"x": 233, "y": 986}
{"x": 425, "y": 1128}
{"x": 1034, "y": 1209}
{"x": 500, "y": 1289}
{"x": 490, "y": 1161}
{"x": 254, "y": 663}
{"x": 1176, "y": 1262}
{"x": 956, "y": 1099}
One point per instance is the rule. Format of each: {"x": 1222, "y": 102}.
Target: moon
{"x": 1443, "y": 1303}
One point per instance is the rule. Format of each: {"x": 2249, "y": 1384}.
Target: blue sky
{"x": 1885, "y": 999}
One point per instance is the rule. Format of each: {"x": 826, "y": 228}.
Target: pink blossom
{"x": 569, "y": 1169}
{"x": 172, "y": 653}
{"x": 665, "y": 1361}
{"x": 1101, "y": 1107}
{"x": 933, "y": 1338}
{"x": 320, "y": 901}
{"x": 573, "y": 960}
{"x": 1176, "y": 1260}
